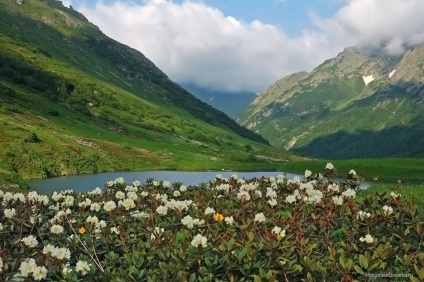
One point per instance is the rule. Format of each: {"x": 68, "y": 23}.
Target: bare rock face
{"x": 20, "y": 2}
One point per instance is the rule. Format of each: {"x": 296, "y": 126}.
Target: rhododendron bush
{"x": 313, "y": 228}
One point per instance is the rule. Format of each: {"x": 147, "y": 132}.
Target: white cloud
{"x": 391, "y": 24}
{"x": 193, "y": 42}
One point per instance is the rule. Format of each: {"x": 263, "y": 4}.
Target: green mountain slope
{"x": 360, "y": 104}
{"x": 74, "y": 101}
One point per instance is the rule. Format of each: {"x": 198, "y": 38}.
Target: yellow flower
{"x": 81, "y": 230}
{"x": 218, "y": 217}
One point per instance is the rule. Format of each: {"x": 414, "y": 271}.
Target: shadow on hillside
{"x": 396, "y": 141}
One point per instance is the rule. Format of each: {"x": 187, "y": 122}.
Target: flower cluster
{"x": 229, "y": 227}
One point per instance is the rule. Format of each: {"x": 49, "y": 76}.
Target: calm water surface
{"x": 85, "y": 183}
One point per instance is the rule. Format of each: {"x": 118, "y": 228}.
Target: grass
{"x": 411, "y": 192}
{"x": 386, "y": 170}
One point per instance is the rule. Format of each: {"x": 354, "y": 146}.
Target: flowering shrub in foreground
{"x": 267, "y": 229}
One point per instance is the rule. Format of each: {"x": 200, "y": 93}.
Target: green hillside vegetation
{"x": 332, "y": 107}
{"x": 74, "y": 101}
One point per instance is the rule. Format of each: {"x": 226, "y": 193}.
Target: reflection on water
{"x": 85, "y": 183}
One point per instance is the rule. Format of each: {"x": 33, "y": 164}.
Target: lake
{"x": 87, "y": 182}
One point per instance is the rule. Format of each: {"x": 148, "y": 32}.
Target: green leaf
{"x": 192, "y": 277}
{"x": 359, "y": 269}
{"x": 251, "y": 236}
{"x": 363, "y": 261}
{"x": 257, "y": 278}
{"x": 242, "y": 254}
{"x": 262, "y": 272}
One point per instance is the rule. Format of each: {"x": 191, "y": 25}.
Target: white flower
{"x": 260, "y": 217}
{"x": 219, "y": 176}
{"x": 138, "y": 214}
{"x": 27, "y": 267}
{"x": 127, "y": 203}
{"x": 243, "y": 195}
{"x": 1, "y": 265}
{"x": 229, "y": 220}
{"x": 279, "y": 232}
{"x": 241, "y": 181}
{"x": 272, "y": 202}
{"x": 199, "y": 240}
{"x": 394, "y": 195}
{"x": 9, "y": 213}
{"x": 30, "y": 241}
{"x": 166, "y": 184}
{"x": 188, "y": 221}
{"x": 157, "y": 233}
{"x": 61, "y": 253}
{"x": 337, "y": 200}
{"x": 291, "y": 199}
{"x": 109, "y": 206}
{"x": 183, "y": 188}
{"x": 96, "y": 191}
{"x": 136, "y": 183}
{"x": 1, "y": 226}
{"x": 276, "y": 230}
{"x": 156, "y": 183}
{"x": 39, "y": 273}
{"x": 66, "y": 270}
{"x": 56, "y": 229}
{"x": 180, "y": 205}
{"x": 209, "y": 210}
{"x": 95, "y": 207}
{"x": 115, "y": 230}
{"x": 349, "y": 193}
{"x": 82, "y": 267}
{"x": 176, "y": 193}
{"x": 362, "y": 215}
{"x": 352, "y": 172}
{"x": 329, "y": 166}
{"x": 162, "y": 210}
{"x": 144, "y": 194}
{"x": 234, "y": 176}
{"x": 308, "y": 173}
{"x": 296, "y": 179}
{"x": 132, "y": 195}
{"x": 333, "y": 187}
{"x": 270, "y": 193}
{"x": 314, "y": 196}
{"x": 387, "y": 210}
{"x": 92, "y": 219}
{"x": 48, "y": 249}
{"x": 120, "y": 195}
{"x": 368, "y": 238}
{"x": 119, "y": 180}
{"x": 258, "y": 193}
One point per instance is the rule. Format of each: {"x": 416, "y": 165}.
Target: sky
{"x": 246, "y": 45}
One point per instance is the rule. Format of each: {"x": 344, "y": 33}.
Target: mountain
{"x": 73, "y": 100}
{"x": 361, "y": 104}
{"x": 230, "y": 103}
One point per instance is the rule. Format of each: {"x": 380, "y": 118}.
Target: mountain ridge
{"x": 358, "y": 90}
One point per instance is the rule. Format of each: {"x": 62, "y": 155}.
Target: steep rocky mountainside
{"x": 362, "y": 103}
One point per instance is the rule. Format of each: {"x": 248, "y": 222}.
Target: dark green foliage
{"x": 32, "y": 138}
